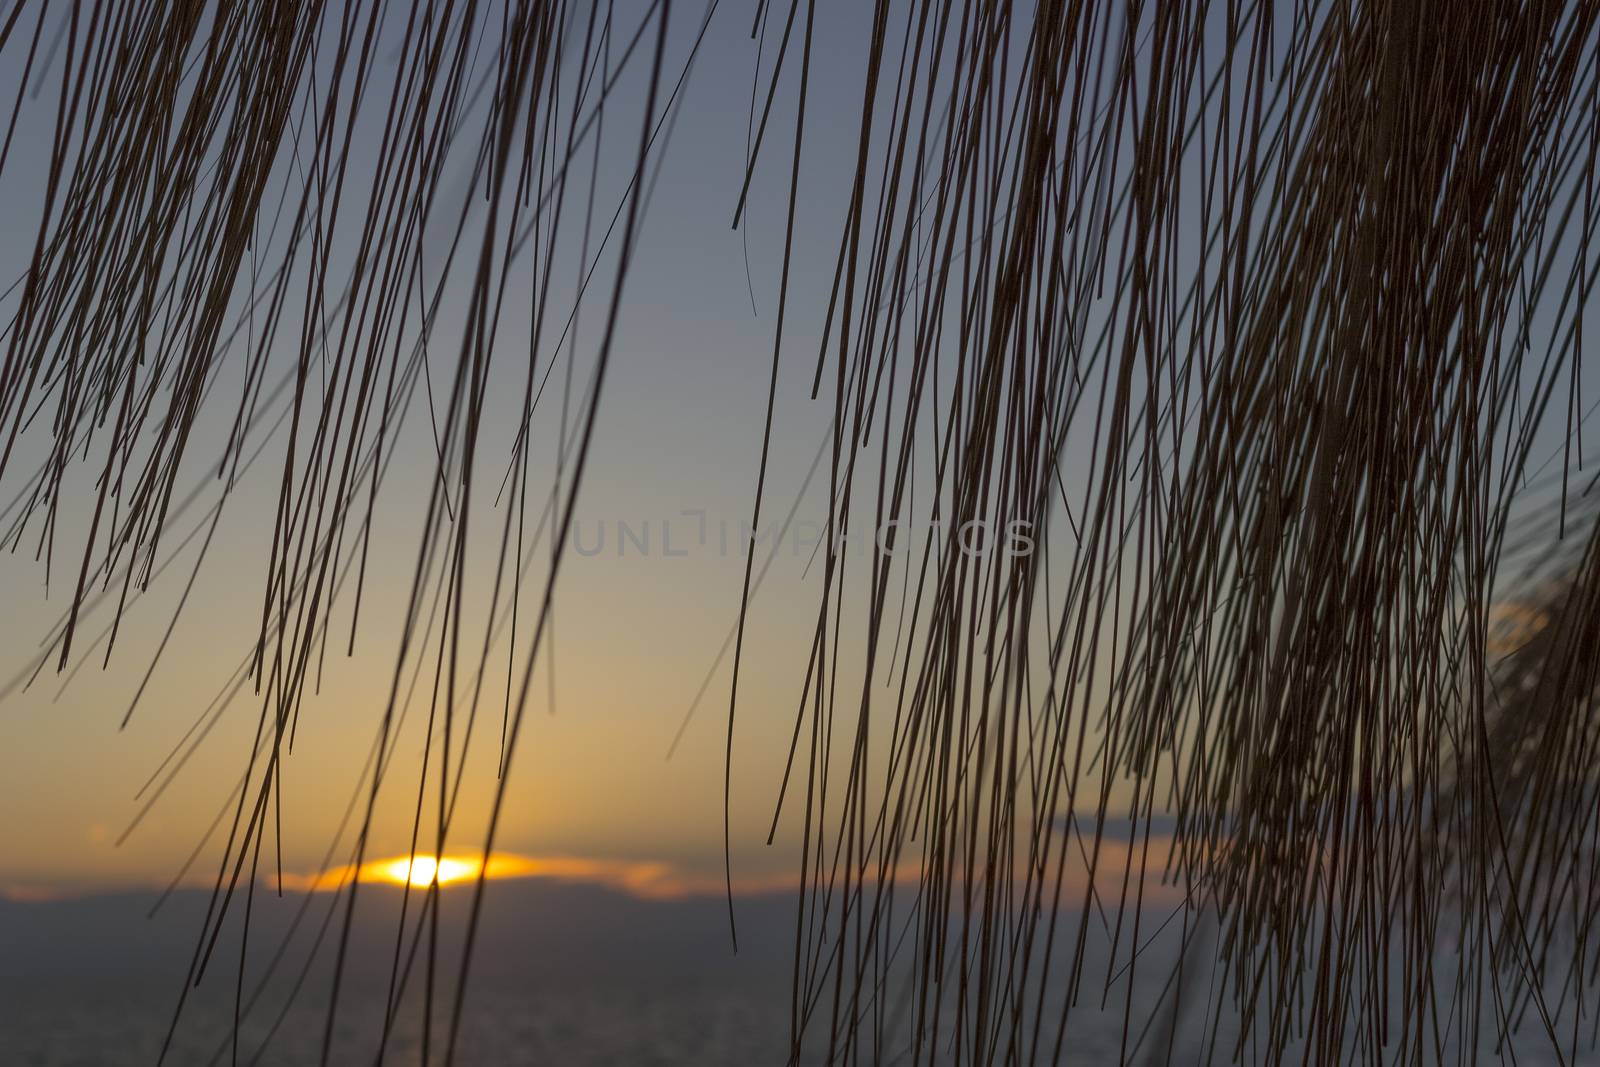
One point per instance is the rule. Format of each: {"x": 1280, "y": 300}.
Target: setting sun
{"x": 422, "y": 871}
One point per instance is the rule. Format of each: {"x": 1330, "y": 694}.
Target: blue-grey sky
{"x": 638, "y": 622}
{"x": 644, "y": 605}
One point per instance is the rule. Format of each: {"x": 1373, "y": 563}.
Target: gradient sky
{"x": 636, "y": 632}
{"x": 678, "y": 439}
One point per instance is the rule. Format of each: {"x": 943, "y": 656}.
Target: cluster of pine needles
{"x": 1268, "y": 317}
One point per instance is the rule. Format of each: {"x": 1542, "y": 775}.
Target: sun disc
{"x": 422, "y": 871}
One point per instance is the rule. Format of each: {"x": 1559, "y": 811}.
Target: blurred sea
{"x": 96, "y": 1025}
{"x": 564, "y": 975}
{"x": 89, "y": 1025}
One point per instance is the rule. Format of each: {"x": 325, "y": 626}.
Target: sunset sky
{"x": 634, "y": 636}
{"x": 643, "y": 608}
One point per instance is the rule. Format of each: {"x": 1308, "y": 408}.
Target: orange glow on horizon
{"x": 647, "y": 879}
